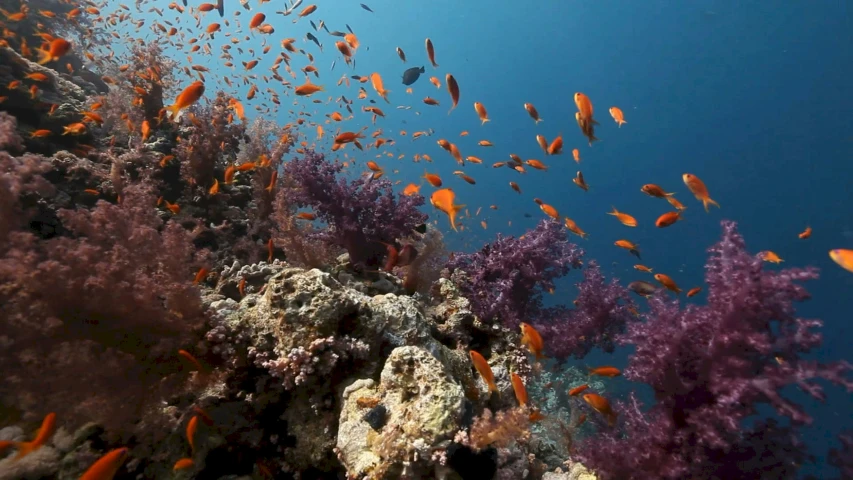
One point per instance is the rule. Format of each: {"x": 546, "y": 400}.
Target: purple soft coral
{"x": 362, "y": 213}
{"x": 601, "y": 312}
{"x": 505, "y": 278}
{"x": 710, "y": 367}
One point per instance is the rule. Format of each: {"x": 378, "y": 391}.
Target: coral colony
{"x": 201, "y": 294}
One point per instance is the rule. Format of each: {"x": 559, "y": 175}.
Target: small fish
{"x": 188, "y": 97}
{"x": 411, "y": 75}
{"x": 183, "y": 464}
{"x": 192, "y": 427}
{"x": 605, "y": 371}
{"x": 431, "y": 52}
{"x": 367, "y": 8}
{"x": 667, "y": 282}
{"x": 45, "y": 433}
{"x": 643, "y": 289}
{"x": 580, "y": 182}
{"x": 577, "y": 390}
{"x": 667, "y": 219}
{"x": 443, "y": 200}
{"x": 694, "y": 291}
{"x": 531, "y": 110}
{"x": 310, "y": 36}
{"x": 602, "y": 406}
{"x": 643, "y": 268}
{"x": 806, "y": 233}
{"x": 698, "y": 188}
{"x": 518, "y": 388}
{"x": 843, "y": 257}
{"x": 312, "y": 25}
{"x": 617, "y": 115}
{"x": 624, "y": 218}
{"x": 771, "y": 257}
{"x": 532, "y": 340}
{"x": 484, "y": 370}
{"x": 653, "y": 190}
{"x": 481, "y": 112}
{"x": 453, "y": 89}
{"x": 401, "y": 54}
{"x": 107, "y": 466}
{"x": 628, "y": 245}
{"x": 348, "y": 28}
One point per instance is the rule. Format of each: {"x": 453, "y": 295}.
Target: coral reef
{"x": 711, "y": 367}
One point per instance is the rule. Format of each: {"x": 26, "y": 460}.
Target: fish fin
{"x": 707, "y": 201}
{"x": 44, "y": 56}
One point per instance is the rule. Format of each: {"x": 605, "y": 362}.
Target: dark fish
{"x": 325, "y": 27}
{"x": 643, "y": 289}
{"x": 185, "y": 3}
{"x": 220, "y": 5}
{"x": 312, "y": 25}
{"x": 344, "y": 98}
{"x": 355, "y": 77}
{"x": 372, "y": 101}
{"x": 527, "y": 215}
{"x": 367, "y": 8}
{"x": 314, "y": 39}
{"x": 422, "y": 228}
{"x": 350, "y": 30}
{"x": 411, "y": 75}
{"x": 338, "y": 34}
{"x": 333, "y": 65}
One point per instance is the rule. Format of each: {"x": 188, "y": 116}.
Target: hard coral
{"x": 710, "y": 368}
{"x": 362, "y": 213}
{"x": 506, "y": 278}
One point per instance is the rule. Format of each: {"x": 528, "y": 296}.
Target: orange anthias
{"x": 106, "y": 466}
{"x": 532, "y": 340}
{"x": 443, "y": 200}
{"x": 484, "y": 370}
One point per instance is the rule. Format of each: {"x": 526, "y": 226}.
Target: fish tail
{"x": 44, "y": 56}
{"x": 536, "y": 122}
{"x": 24, "y": 449}
{"x": 708, "y": 201}
{"x": 175, "y": 112}
{"x": 485, "y": 120}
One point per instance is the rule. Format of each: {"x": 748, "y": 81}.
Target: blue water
{"x": 753, "y": 97}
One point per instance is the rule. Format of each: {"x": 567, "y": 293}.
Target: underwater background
{"x": 752, "y": 97}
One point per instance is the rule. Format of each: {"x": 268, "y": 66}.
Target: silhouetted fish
{"x": 333, "y": 65}
{"x": 643, "y": 289}
{"x": 312, "y": 25}
{"x": 350, "y": 30}
{"x": 314, "y": 39}
{"x": 220, "y": 5}
{"x": 411, "y": 75}
{"x": 323, "y": 24}
{"x": 422, "y": 228}
{"x": 338, "y": 33}
{"x": 367, "y": 8}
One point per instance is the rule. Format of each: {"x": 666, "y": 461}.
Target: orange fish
{"x": 693, "y": 291}
{"x": 667, "y": 282}
{"x": 573, "y": 227}
{"x": 431, "y": 52}
{"x": 577, "y": 155}
{"x": 182, "y": 464}
{"x": 602, "y": 406}
{"x": 518, "y": 388}
{"x": 515, "y": 187}
{"x": 107, "y": 466}
{"x": 806, "y": 233}
{"x": 617, "y": 115}
{"x": 556, "y": 146}
{"x": 307, "y": 89}
{"x": 443, "y": 200}
{"x": 188, "y": 97}
{"x": 643, "y": 268}
{"x": 576, "y": 390}
{"x": 45, "y": 433}
{"x": 192, "y": 427}
{"x": 190, "y": 358}
{"x": 667, "y": 219}
{"x": 531, "y": 110}
{"x": 201, "y": 275}
{"x": 584, "y": 106}
{"x": 433, "y": 179}
{"x": 843, "y": 257}
{"x": 453, "y": 89}
{"x": 675, "y": 203}
{"x": 411, "y": 189}
{"x": 431, "y": 101}
{"x": 624, "y": 218}
{"x": 56, "y": 49}
{"x": 697, "y": 187}
{"x": 257, "y": 20}
{"x": 653, "y": 190}
{"x": 481, "y": 112}
{"x": 605, "y": 371}
{"x": 543, "y": 143}
{"x": 485, "y": 143}
{"x": 771, "y": 257}
{"x": 587, "y": 127}
{"x": 628, "y": 245}
{"x": 270, "y": 250}
{"x": 532, "y": 340}
{"x": 536, "y": 164}
{"x": 435, "y": 81}
{"x": 376, "y": 80}
{"x": 484, "y": 370}
{"x": 40, "y": 133}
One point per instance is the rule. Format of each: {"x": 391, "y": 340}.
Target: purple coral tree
{"x": 711, "y": 367}
{"x": 506, "y": 278}
{"x": 601, "y": 312}
{"x": 361, "y": 213}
